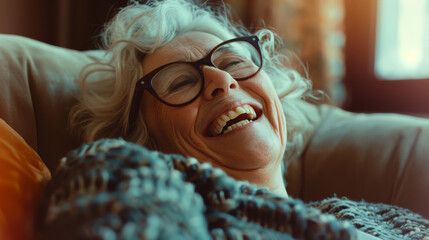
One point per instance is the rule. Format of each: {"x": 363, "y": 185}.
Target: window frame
{"x": 365, "y": 91}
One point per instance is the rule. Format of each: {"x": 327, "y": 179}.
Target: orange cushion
{"x": 23, "y": 177}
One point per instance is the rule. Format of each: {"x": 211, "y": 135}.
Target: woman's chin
{"x": 249, "y": 147}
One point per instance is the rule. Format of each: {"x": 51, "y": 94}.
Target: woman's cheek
{"x": 282, "y": 122}
{"x": 279, "y": 121}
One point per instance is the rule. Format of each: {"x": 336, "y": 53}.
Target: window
{"x": 387, "y": 56}
{"x": 402, "y": 39}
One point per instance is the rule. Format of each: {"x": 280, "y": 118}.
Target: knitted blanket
{"x": 381, "y": 220}
{"x": 111, "y": 189}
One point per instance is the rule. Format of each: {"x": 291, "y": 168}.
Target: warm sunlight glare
{"x": 402, "y": 48}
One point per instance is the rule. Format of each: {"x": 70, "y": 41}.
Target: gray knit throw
{"x": 381, "y": 220}
{"x": 111, "y": 189}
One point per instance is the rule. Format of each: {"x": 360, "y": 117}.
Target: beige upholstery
{"x": 37, "y": 85}
{"x": 376, "y": 157}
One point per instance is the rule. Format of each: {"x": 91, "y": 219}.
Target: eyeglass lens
{"x": 179, "y": 83}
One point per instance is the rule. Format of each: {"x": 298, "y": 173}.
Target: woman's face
{"x": 192, "y": 130}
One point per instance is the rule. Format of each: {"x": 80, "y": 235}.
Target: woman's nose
{"x": 217, "y": 82}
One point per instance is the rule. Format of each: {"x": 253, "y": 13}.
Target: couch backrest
{"x": 37, "y": 85}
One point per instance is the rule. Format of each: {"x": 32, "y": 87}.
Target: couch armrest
{"x": 375, "y": 157}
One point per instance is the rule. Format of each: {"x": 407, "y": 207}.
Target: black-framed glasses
{"x": 180, "y": 83}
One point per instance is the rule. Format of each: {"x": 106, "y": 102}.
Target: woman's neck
{"x": 271, "y": 177}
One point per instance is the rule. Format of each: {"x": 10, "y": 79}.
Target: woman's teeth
{"x": 236, "y": 125}
{"x": 225, "y": 122}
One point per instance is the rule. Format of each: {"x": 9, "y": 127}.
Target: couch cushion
{"x": 23, "y": 177}
{"x": 37, "y": 82}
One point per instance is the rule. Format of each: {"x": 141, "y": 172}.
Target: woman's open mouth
{"x": 233, "y": 119}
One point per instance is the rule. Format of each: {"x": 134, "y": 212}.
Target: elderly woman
{"x": 187, "y": 81}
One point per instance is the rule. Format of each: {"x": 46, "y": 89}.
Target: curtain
{"x": 72, "y": 24}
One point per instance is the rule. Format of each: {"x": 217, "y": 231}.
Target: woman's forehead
{"x": 185, "y": 47}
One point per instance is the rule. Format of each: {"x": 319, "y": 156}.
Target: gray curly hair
{"x": 139, "y": 29}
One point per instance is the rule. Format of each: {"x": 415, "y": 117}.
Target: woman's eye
{"x": 181, "y": 83}
{"x": 231, "y": 63}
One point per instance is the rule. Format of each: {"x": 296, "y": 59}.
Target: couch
{"x": 376, "y": 157}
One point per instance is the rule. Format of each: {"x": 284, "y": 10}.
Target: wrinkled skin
{"x": 252, "y": 152}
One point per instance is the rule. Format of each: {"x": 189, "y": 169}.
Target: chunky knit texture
{"x": 381, "y": 220}
{"x": 111, "y": 189}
